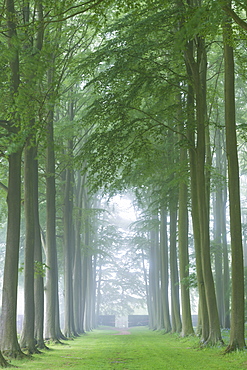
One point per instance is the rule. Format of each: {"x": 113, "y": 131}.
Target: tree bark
{"x": 198, "y": 73}
{"x": 154, "y": 277}
{"x": 164, "y": 276}
{"x": 237, "y": 338}
{"x": 69, "y": 328}
{"x": 218, "y": 233}
{"x": 9, "y": 342}
{"x": 39, "y": 278}
{"x": 27, "y": 337}
{"x": 203, "y": 320}
{"x": 51, "y": 272}
{"x": 77, "y": 269}
{"x": 187, "y": 327}
{"x": 174, "y": 278}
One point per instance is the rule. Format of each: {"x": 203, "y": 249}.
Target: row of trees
{"x": 164, "y": 82}
{"x": 41, "y": 131}
{"x": 104, "y": 96}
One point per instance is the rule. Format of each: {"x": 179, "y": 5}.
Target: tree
{"x": 237, "y": 339}
{"x": 32, "y": 234}
{"x": 196, "y": 66}
{"x": 164, "y": 276}
{"x": 187, "y": 328}
{"x": 9, "y": 342}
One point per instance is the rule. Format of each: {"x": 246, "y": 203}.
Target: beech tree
{"x": 9, "y": 342}
{"x": 237, "y": 339}
{"x": 32, "y": 234}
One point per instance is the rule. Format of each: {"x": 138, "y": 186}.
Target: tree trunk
{"x": 198, "y": 72}
{"x": 175, "y": 303}
{"x": 51, "y": 272}
{"x": 237, "y": 339}
{"x": 164, "y": 276}
{"x": 225, "y": 259}
{"x": 69, "y": 329}
{"x": 187, "y": 327}
{"x": 89, "y": 296}
{"x": 218, "y": 213}
{"x": 203, "y": 320}
{"x": 85, "y": 263}
{"x": 9, "y": 342}
{"x": 77, "y": 271}
{"x": 39, "y": 278}
{"x": 154, "y": 277}
{"x": 27, "y": 337}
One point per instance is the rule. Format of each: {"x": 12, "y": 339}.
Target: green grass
{"x": 143, "y": 349}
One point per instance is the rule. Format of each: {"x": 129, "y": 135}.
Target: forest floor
{"x": 133, "y": 348}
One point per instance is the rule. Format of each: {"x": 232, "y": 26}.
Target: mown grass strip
{"x": 143, "y": 349}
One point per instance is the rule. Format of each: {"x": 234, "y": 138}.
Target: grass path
{"x": 142, "y": 349}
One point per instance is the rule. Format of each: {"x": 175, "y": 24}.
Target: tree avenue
{"x": 113, "y": 97}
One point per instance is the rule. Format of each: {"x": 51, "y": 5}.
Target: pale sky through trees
{"x": 123, "y": 206}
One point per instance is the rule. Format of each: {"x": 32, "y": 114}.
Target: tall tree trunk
{"x": 27, "y": 337}
{"x": 225, "y": 256}
{"x": 198, "y": 71}
{"x": 51, "y": 258}
{"x": 154, "y": 277}
{"x": 152, "y": 283}
{"x": 90, "y": 293}
{"x": 9, "y": 342}
{"x": 77, "y": 270}
{"x": 203, "y": 319}
{"x": 174, "y": 278}
{"x": 164, "y": 276}
{"x": 218, "y": 213}
{"x": 237, "y": 338}
{"x": 69, "y": 329}
{"x": 84, "y": 289}
{"x": 187, "y": 327}
{"x": 39, "y": 278}
{"x": 85, "y": 261}
{"x": 145, "y": 277}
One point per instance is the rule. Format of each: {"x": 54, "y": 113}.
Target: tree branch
{"x": 4, "y": 187}
{"x": 235, "y": 17}
{"x": 159, "y": 123}
{"x": 77, "y": 13}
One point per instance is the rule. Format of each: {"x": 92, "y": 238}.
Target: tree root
{"x": 17, "y": 355}
{"x": 232, "y": 347}
{"x": 4, "y": 363}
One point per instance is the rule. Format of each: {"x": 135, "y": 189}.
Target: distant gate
{"x": 107, "y": 320}
{"x": 138, "y": 320}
